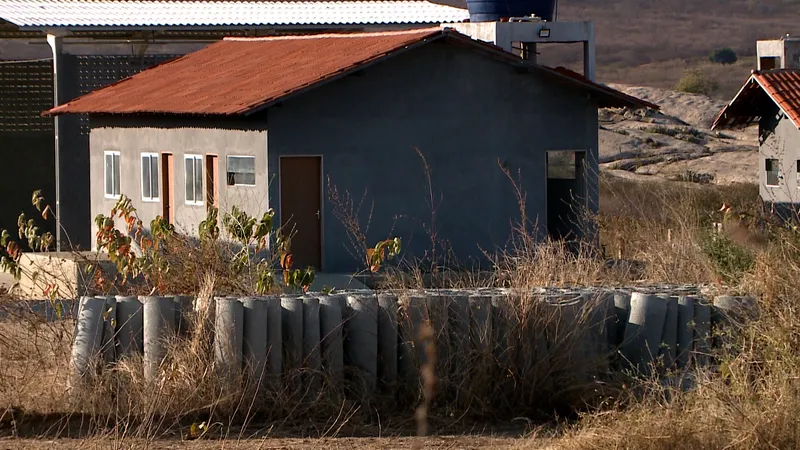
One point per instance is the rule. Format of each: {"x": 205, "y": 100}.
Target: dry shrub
{"x": 752, "y": 398}
{"x": 664, "y": 225}
{"x": 753, "y": 402}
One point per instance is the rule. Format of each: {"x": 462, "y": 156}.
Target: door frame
{"x": 581, "y": 173}
{"x": 321, "y": 201}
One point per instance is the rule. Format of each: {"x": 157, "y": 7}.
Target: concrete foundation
{"x": 686, "y": 330}
{"x": 312, "y": 354}
{"x": 668, "y": 350}
{"x": 476, "y": 334}
{"x": 274, "y": 339}
{"x": 622, "y": 310}
{"x": 361, "y": 343}
{"x": 70, "y": 273}
{"x": 643, "y": 332}
{"x": 88, "y": 337}
{"x": 159, "y": 327}
{"x": 387, "y": 340}
{"x": 702, "y": 332}
{"x": 480, "y": 310}
{"x": 183, "y": 305}
{"x": 228, "y": 337}
{"x": 254, "y": 348}
{"x": 332, "y": 341}
{"x": 109, "y": 329}
{"x": 130, "y": 324}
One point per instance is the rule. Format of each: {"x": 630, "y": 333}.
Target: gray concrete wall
{"x": 463, "y": 111}
{"x": 132, "y": 137}
{"x": 780, "y": 139}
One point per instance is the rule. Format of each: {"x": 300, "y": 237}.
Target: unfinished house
{"x": 296, "y": 123}
{"x": 771, "y": 98}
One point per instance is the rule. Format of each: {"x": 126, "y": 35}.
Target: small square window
{"x": 150, "y": 177}
{"x": 797, "y": 172}
{"x": 772, "y": 169}
{"x": 112, "y": 174}
{"x": 241, "y": 171}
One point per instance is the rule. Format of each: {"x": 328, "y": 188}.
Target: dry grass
{"x": 541, "y": 369}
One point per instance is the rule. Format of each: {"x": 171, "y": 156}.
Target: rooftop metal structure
{"x": 116, "y": 15}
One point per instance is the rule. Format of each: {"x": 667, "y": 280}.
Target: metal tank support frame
{"x": 527, "y": 34}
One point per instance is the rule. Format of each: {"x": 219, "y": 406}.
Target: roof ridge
{"x": 294, "y": 37}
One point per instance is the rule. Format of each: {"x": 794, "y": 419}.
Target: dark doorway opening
{"x": 212, "y": 180}
{"x": 300, "y": 209}
{"x": 566, "y": 194}
{"x": 168, "y": 187}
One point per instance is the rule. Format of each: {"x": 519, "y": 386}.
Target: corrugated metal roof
{"x": 782, "y": 86}
{"x": 165, "y": 13}
{"x": 241, "y": 75}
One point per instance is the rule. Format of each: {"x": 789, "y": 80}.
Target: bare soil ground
{"x": 439, "y": 442}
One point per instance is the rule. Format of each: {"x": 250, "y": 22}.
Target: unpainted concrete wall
{"x": 132, "y": 137}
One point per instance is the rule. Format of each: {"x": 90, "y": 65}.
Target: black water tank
{"x": 494, "y": 10}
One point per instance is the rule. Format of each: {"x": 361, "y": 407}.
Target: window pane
{"x": 146, "y": 177}
{"x": 109, "y": 174}
{"x": 198, "y": 180}
{"x": 242, "y": 164}
{"x": 244, "y": 178}
{"x": 116, "y": 174}
{"x": 154, "y": 176}
{"x": 189, "y": 179}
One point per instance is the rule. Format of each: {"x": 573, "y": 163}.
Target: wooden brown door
{"x": 212, "y": 180}
{"x": 301, "y": 214}
{"x": 168, "y": 187}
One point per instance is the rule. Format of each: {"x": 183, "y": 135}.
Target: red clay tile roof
{"x": 782, "y": 86}
{"x": 244, "y": 75}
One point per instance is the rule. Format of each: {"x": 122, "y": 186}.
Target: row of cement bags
{"x": 378, "y": 334}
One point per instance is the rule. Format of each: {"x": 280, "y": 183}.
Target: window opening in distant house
{"x": 241, "y": 170}
{"x": 194, "y": 179}
{"x": 150, "y": 177}
{"x": 769, "y": 62}
{"x": 772, "y": 168}
{"x": 111, "y": 174}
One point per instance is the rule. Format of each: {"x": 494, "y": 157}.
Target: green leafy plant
{"x": 11, "y": 251}
{"x": 382, "y": 251}
{"x": 209, "y": 228}
{"x": 730, "y": 260}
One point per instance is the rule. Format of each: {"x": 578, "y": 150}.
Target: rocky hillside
{"x": 675, "y": 143}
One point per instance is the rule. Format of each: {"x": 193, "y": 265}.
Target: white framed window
{"x": 241, "y": 170}
{"x": 194, "y": 179}
{"x": 111, "y": 174}
{"x": 150, "y": 177}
